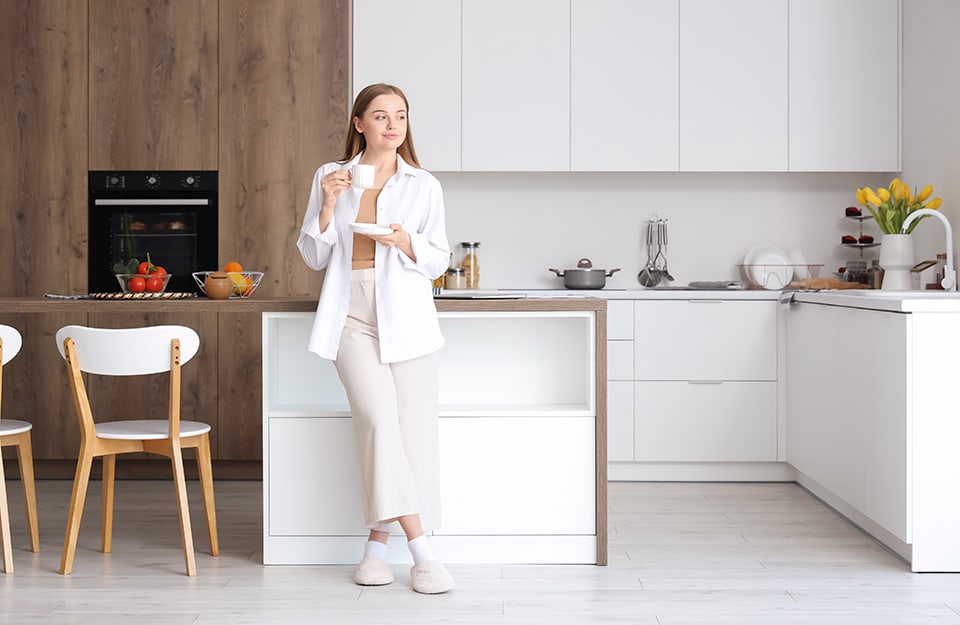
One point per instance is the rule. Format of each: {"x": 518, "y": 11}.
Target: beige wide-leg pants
{"x": 394, "y": 409}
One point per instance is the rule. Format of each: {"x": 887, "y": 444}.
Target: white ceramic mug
{"x": 362, "y": 176}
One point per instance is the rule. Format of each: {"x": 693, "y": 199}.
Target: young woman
{"x": 377, "y": 321}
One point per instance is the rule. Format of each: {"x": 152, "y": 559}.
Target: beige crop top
{"x": 364, "y": 247}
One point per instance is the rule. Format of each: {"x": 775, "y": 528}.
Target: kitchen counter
{"x": 629, "y": 294}
{"x": 892, "y": 301}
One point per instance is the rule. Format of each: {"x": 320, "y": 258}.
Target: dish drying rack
{"x": 776, "y": 276}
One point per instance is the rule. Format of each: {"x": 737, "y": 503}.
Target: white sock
{"x": 375, "y": 549}
{"x": 421, "y": 550}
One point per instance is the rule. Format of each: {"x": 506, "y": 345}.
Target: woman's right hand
{"x": 332, "y": 184}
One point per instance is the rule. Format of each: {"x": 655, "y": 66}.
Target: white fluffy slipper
{"x": 431, "y": 578}
{"x": 373, "y": 572}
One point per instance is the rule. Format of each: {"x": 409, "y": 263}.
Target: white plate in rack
{"x": 768, "y": 267}
{"x": 374, "y": 229}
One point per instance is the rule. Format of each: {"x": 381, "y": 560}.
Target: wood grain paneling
{"x": 153, "y": 84}
{"x": 43, "y": 164}
{"x": 284, "y": 103}
{"x": 240, "y": 425}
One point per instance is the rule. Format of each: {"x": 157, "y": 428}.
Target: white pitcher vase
{"x": 896, "y": 258}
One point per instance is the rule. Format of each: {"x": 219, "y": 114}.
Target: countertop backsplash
{"x": 529, "y": 222}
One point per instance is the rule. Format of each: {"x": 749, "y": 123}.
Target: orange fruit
{"x": 232, "y": 267}
{"x": 249, "y": 289}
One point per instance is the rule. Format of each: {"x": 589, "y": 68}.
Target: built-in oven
{"x": 170, "y": 215}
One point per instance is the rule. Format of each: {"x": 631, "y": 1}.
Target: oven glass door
{"x": 178, "y": 234}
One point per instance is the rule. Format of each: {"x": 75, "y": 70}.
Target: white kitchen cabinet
{"x": 415, "y": 46}
{"x": 733, "y": 85}
{"x": 620, "y": 420}
{"x": 706, "y": 340}
{"x": 624, "y": 95}
{"x": 518, "y": 442}
{"x": 845, "y": 85}
{"x": 848, "y": 426}
{"x": 706, "y": 422}
{"x": 516, "y": 85}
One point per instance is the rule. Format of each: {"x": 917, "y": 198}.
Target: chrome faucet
{"x": 949, "y": 282}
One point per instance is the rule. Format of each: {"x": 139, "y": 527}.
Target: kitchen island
{"x": 522, "y": 438}
{"x": 873, "y": 421}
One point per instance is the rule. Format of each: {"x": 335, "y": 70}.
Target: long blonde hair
{"x": 357, "y": 143}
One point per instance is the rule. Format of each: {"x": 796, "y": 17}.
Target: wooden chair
{"x": 130, "y": 352}
{"x": 15, "y": 433}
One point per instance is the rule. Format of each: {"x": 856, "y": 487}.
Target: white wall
{"x": 527, "y": 223}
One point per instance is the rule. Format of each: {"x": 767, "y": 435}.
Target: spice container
{"x": 455, "y": 278}
{"x": 470, "y": 264}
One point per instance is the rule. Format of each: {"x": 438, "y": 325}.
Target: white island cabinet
{"x": 873, "y": 423}
{"x": 522, "y": 440}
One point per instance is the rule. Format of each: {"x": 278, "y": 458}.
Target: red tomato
{"x": 136, "y": 284}
{"x": 154, "y": 284}
{"x": 143, "y": 267}
{"x": 158, "y": 271}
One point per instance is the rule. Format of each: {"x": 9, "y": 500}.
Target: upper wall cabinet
{"x": 153, "y": 84}
{"x": 623, "y": 85}
{"x": 642, "y": 85}
{"x": 393, "y": 43}
{"x": 733, "y": 85}
{"x": 516, "y": 85}
{"x": 845, "y": 85}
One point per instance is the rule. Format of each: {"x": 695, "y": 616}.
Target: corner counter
{"x": 522, "y": 438}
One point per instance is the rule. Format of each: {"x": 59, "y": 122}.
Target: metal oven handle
{"x": 152, "y": 202}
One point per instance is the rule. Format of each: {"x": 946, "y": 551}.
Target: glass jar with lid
{"x": 470, "y": 263}
{"x": 455, "y": 278}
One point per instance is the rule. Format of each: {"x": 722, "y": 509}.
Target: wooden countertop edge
{"x": 280, "y": 304}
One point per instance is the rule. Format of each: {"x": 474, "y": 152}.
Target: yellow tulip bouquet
{"x": 891, "y": 206}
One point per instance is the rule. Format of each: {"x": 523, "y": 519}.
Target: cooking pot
{"x": 584, "y": 276}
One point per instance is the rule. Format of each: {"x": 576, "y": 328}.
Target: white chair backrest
{"x": 12, "y": 341}
{"x": 128, "y": 351}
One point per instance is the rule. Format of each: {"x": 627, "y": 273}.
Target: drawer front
{"x": 707, "y": 340}
{"x": 620, "y": 421}
{"x": 721, "y": 422}
{"x": 620, "y": 360}
{"x": 620, "y": 320}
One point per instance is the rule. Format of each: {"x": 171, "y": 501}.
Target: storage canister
{"x": 455, "y": 278}
{"x": 470, "y": 263}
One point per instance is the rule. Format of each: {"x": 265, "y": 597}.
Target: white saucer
{"x": 374, "y": 229}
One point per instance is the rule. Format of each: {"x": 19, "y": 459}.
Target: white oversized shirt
{"x": 406, "y": 314}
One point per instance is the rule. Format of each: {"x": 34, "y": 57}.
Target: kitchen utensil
{"x": 584, "y": 276}
{"x": 649, "y": 276}
{"x": 662, "y": 230}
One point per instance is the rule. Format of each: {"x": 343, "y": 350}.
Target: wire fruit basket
{"x": 245, "y": 282}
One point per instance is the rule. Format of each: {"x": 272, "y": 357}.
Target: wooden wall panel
{"x": 43, "y": 164}
{"x": 284, "y": 103}
{"x": 240, "y": 424}
{"x": 153, "y": 84}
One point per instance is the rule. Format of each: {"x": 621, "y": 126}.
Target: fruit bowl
{"x": 245, "y": 282}
{"x": 124, "y": 280}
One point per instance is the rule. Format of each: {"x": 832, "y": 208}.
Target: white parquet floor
{"x": 680, "y": 554}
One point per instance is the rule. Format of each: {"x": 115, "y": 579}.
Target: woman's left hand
{"x": 398, "y": 238}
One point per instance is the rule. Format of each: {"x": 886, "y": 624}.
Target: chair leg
{"x": 106, "y": 524}
{"x": 25, "y": 458}
{"x": 7, "y": 545}
{"x": 180, "y": 481}
{"x": 80, "y": 481}
{"x": 205, "y": 469}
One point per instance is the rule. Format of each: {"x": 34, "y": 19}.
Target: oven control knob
{"x": 152, "y": 181}
{"x": 190, "y": 180}
{"x": 114, "y": 181}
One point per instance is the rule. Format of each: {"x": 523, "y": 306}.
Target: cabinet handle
{"x": 705, "y": 301}
{"x": 704, "y": 381}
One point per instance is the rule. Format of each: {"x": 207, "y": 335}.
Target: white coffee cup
{"x": 362, "y": 176}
